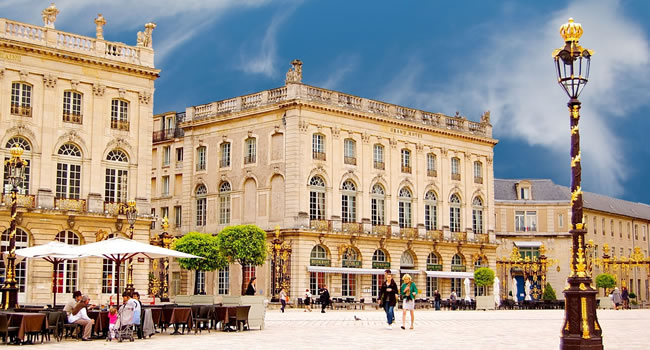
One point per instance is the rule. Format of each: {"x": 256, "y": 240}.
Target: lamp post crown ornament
{"x": 571, "y": 31}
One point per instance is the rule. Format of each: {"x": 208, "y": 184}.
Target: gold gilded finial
{"x": 16, "y": 151}
{"x": 571, "y": 31}
{"x": 165, "y": 223}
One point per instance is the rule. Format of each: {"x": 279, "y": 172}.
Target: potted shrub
{"x": 605, "y": 281}
{"x": 633, "y": 303}
{"x": 484, "y": 277}
{"x": 203, "y": 245}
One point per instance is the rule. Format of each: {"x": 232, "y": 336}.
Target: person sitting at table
{"x": 76, "y": 298}
{"x": 79, "y": 315}
{"x": 251, "y": 289}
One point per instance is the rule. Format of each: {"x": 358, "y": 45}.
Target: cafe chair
{"x": 8, "y": 333}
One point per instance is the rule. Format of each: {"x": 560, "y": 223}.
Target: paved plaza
{"x": 295, "y": 329}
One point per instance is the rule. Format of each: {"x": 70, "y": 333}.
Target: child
{"x": 112, "y": 319}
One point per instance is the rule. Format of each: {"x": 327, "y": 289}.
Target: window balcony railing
{"x": 23, "y": 111}
{"x": 352, "y": 227}
{"x": 478, "y": 180}
{"x": 434, "y": 235}
{"x": 406, "y": 169}
{"x": 113, "y": 208}
{"x": 167, "y": 134}
{"x": 200, "y": 167}
{"x": 459, "y": 236}
{"x": 320, "y": 225}
{"x": 482, "y": 237}
{"x": 249, "y": 159}
{"x": 70, "y": 204}
{"x": 408, "y": 232}
{"x": 225, "y": 163}
{"x": 120, "y": 125}
{"x": 318, "y": 155}
{"x": 165, "y": 162}
{"x": 381, "y": 230}
{"x": 22, "y": 200}
{"x": 432, "y": 173}
{"x": 75, "y": 118}
{"x": 379, "y": 165}
{"x": 350, "y": 160}
{"x": 455, "y": 177}
{"x": 179, "y": 164}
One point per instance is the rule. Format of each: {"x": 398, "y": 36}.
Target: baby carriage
{"x": 124, "y": 326}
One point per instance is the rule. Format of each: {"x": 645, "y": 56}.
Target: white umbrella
{"x": 466, "y": 282}
{"x": 497, "y": 291}
{"x": 54, "y": 252}
{"x": 120, "y": 249}
{"x": 527, "y": 290}
{"x": 514, "y": 290}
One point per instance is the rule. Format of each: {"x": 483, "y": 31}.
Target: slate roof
{"x": 546, "y": 190}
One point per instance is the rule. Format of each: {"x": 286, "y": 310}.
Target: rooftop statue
{"x": 49, "y": 16}
{"x": 100, "y": 22}
{"x": 145, "y": 38}
{"x": 294, "y": 75}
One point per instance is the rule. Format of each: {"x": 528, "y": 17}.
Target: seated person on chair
{"x": 79, "y": 315}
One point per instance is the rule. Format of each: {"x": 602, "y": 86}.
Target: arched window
{"x": 317, "y": 198}
{"x": 477, "y": 215}
{"x": 406, "y": 161}
{"x": 21, "y": 99}
{"x": 434, "y": 263}
{"x": 23, "y": 188}
{"x": 379, "y": 261}
{"x": 378, "y": 156}
{"x": 348, "y": 202}
{"x": 72, "y": 106}
{"x": 457, "y": 263}
{"x": 379, "y": 256}
{"x": 68, "y": 274}
{"x": 22, "y": 241}
{"x": 120, "y": 114}
{"x": 318, "y": 252}
{"x": 350, "y": 255}
{"x": 407, "y": 261}
{"x": 433, "y": 259}
{"x": 117, "y": 177}
{"x": 431, "y": 165}
{"x": 68, "y": 172}
{"x": 478, "y": 172}
{"x": 224, "y": 203}
{"x": 377, "y": 205}
{"x": 454, "y": 213}
{"x": 480, "y": 262}
{"x": 318, "y": 146}
{"x": 350, "y": 151}
{"x": 430, "y": 211}
{"x": 318, "y": 257}
{"x": 404, "y": 207}
{"x": 201, "y": 205}
{"x": 349, "y": 281}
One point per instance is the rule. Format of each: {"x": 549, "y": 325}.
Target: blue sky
{"x": 441, "y": 56}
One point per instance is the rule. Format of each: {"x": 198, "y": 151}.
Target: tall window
{"x": 404, "y": 207}
{"x": 317, "y": 279}
{"x": 21, "y": 99}
{"x": 430, "y": 211}
{"x": 525, "y": 221}
{"x": 377, "y": 200}
{"x": 200, "y": 158}
{"x": 178, "y": 216}
{"x": 23, "y": 188}
{"x": 179, "y": 155}
{"x": 249, "y": 272}
{"x": 348, "y": 202}
{"x": 251, "y": 150}
{"x": 68, "y": 271}
{"x": 166, "y": 155}
{"x": 120, "y": 115}
{"x": 68, "y": 172}
{"x": 456, "y": 284}
{"x": 432, "y": 282}
{"x": 165, "y": 186}
{"x": 201, "y": 205}
{"x": 348, "y": 284}
{"x": 164, "y": 212}
{"x": 350, "y": 151}
{"x": 117, "y": 177}
{"x": 455, "y": 168}
{"x": 478, "y": 172}
{"x": 223, "y": 286}
{"x": 431, "y": 165}
{"x": 378, "y": 156}
{"x": 22, "y": 241}
{"x": 454, "y": 213}
{"x": 109, "y": 276}
{"x": 406, "y": 161}
{"x": 224, "y": 203}
{"x": 318, "y": 146}
{"x": 72, "y": 107}
{"x": 317, "y": 198}
{"x": 477, "y": 215}
{"x": 378, "y": 279}
{"x": 225, "y": 154}
{"x": 199, "y": 282}
{"x": 457, "y": 263}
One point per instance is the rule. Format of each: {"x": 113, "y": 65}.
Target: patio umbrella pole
{"x": 118, "y": 263}
{"x": 55, "y": 262}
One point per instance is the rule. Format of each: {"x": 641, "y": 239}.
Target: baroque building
{"x": 352, "y": 186}
{"x": 531, "y": 214}
{"x": 77, "y": 106}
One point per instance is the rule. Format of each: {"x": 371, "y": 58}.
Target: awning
{"x": 349, "y": 270}
{"x": 449, "y": 274}
{"x": 534, "y": 244}
{"x": 410, "y": 272}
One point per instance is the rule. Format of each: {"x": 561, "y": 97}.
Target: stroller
{"x": 124, "y": 326}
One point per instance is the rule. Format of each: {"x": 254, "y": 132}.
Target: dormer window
{"x": 524, "y": 190}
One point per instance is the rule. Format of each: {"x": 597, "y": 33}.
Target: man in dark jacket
{"x": 436, "y": 299}
{"x": 324, "y": 298}
{"x": 388, "y": 297}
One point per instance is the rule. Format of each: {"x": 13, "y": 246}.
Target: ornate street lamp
{"x": 15, "y": 168}
{"x": 166, "y": 239}
{"x": 131, "y": 213}
{"x": 580, "y": 329}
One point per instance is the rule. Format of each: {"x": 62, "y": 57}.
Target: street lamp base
{"x": 129, "y": 288}
{"x": 9, "y": 297}
{"x": 581, "y": 329}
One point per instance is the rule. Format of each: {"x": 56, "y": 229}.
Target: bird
{"x": 356, "y": 318}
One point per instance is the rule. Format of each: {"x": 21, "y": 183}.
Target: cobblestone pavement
{"x": 295, "y": 329}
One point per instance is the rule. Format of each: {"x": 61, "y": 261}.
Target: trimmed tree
{"x": 243, "y": 244}
{"x": 605, "y": 280}
{"x": 484, "y": 277}
{"x": 549, "y": 293}
{"x": 203, "y": 245}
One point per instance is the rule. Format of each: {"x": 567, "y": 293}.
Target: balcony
{"x": 167, "y": 134}
{"x": 482, "y": 237}
{"x": 406, "y": 169}
{"x": 459, "y": 236}
{"x": 120, "y": 125}
{"x": 320, "y": 225}
{"x": 432, "y": 173}
{"x": 113, "y": 208}
{"x": 352, "y": 227}
{"x": 318, "y": 155}
{"x": 455, "y": 177}
{"x": 379, "y": 165}
{"x": 350, "y": 160}
{"x": 458, "y": 268}
{"x": 70, "y": 204}
{"x": 224, "y": 163}
{"x": 434, "y": 235}
{"x": 381, "y": 230}
{"x": 478, "y": 180}
{"x": 75, "y": 118}
{"x": 22, "y": 200}
{"x": 249, "y": 159}
{"x": 23, "y": 111}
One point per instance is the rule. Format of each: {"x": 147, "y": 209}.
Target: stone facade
{"x": 306, "y": 160}
{"x": 78, "y": 105}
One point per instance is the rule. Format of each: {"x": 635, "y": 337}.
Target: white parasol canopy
{"x": 54, "y": 252}
{"x": 497, "y": 291}
{"x": 466, "y": 282}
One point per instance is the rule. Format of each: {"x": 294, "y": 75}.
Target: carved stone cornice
{"x": 50, "y": 81}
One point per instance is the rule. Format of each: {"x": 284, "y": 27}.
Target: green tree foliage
{"x": 605, "y": 280}
{"x": 484, "y": 277}
{"x": 549, "y": 293}
{"x": 203, "y": 245}
{"x": 244, "y": 244}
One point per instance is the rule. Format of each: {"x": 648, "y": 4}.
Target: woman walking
{"x": 252, "y": 288}
{"x": 388, "y": 297}
{"x": 307, "y": 300}
{"x": 283, "y": 299}
{"x": 408, "y": 291}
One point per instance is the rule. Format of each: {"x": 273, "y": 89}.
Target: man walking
{"x": 324, "y": 298}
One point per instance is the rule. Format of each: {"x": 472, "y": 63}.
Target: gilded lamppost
{"x": 15, "y": 170}
{"x": 166, "y": 240}
{"x": 580, "y": 329}
{"x": 131, "y": 212}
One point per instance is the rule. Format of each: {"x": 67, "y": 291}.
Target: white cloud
{"x": 343, "y": 65}
{"x": 514, "y": 77}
